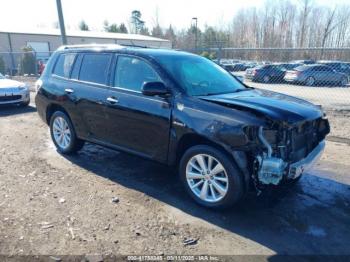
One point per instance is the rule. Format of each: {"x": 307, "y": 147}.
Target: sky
{"x": 29, "y": 14}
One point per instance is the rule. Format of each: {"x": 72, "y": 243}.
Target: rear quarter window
{"x": 64, "y": 64}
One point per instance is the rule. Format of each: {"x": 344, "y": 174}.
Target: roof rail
{"x": 65, "y": 47}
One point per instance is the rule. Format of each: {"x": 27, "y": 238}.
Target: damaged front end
{"x": 286, "y": 152}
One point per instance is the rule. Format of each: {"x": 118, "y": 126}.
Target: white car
{"x": 13, "y": 92}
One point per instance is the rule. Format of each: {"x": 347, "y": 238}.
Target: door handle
{"x": 69, "y": 90}
{"x": 112, "y": 100}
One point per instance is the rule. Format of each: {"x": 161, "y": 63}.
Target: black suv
{"x": 181, "y": 110}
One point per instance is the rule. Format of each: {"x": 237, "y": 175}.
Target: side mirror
{"x": 154, "y": 89}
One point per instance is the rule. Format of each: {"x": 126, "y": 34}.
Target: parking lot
{"x": 102, "y": 202}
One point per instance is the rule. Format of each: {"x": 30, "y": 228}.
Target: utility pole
{"x": 196, "y": 34}
{"x": 61, "y": 21}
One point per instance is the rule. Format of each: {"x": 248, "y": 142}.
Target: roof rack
{"x": 110, "y": 46}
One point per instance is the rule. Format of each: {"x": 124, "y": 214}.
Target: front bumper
{"x": 273, "y": 170}
{"x": 304, "y": 165}
{"x": 14, "y": 96}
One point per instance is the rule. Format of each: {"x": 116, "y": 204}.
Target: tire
{"x": 266, "y": 79}
{"x": 24, "y": 104}
{"x": 74, "y": 144}
{"x": 344, "y": 81}
{"x": 310, "y": 81}
{"x": 234, "y": 187}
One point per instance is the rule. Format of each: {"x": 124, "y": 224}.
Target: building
{"x": 44, "y": 42}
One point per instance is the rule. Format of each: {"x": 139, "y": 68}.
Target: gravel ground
{"x": 101, "y": 202}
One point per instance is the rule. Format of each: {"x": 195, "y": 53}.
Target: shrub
{"x": 205, "y": 54}
{"x": 27, "y": 61}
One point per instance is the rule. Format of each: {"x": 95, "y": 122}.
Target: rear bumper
{"x": 304, "y": 165}
{"x": 41, "y": 106}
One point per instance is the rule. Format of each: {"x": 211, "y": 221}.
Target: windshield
{"x": 1, "y": 76}
{"x": 199, "y": 76}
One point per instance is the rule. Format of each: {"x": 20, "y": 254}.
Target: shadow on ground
{"x": 8, "y": 110}
{"x": 310, "y": 218}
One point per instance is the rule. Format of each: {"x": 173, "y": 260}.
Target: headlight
{"x": 23, "y": 87}
{"x": 38, "y": 84}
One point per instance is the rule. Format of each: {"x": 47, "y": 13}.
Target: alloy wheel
{"x": 266, "y": 79}
{"x": 310, "y": 81}
{"x": 207, "y": 178}
{"x": 61, "y": 132}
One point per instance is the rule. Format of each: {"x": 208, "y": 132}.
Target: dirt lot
{"x": 57, "y": 205}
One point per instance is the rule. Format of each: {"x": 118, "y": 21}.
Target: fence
{"x": 22, "y": 63}
{"x": 283, "y": 54}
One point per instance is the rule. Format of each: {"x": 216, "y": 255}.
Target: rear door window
{"x": 64, "y": 64}
{"x": 94, "y": 68}
{"x": 76, "y": 67}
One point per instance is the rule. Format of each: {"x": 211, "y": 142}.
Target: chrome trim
{"x": 69, "y": 90}
{"x": 112, "y": 100}
{"x": 304, "y": 165}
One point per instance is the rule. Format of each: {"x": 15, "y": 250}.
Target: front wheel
{"x": 63, "y": 134}
{"x": 310, "y": 81}
{"x": 210, "y": 177}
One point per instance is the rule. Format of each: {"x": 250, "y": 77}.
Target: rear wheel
{"x": 210, "y": 177}
{"x": 63, "y": 134}
{"x": 344, "y": 81}
{"x": 266, "y": 79}
{"x": 310, "y": 81}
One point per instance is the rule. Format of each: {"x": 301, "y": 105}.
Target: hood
{"x": 8, "y": 83}
{"x": 275, "y": 106}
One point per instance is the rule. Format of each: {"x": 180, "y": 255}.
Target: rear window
{"x": 302, "y": 68}
{"x": 64, "y": 64}
{"x": 94, "y": 68}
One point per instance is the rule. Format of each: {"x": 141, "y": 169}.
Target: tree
{"x": 27, "y": 63}
{"x": 304, "y": 15}
{"x": 123, "y": 29}
{"x": 144, "y": 31}
{"x": 114, "y": 28}
{"x": 136, "y": 22}
{"x": 2, "y": 65}
{"x": 157, "y": 31}
{"x": 171, "y": 36}
{"x": 83, "y": 26}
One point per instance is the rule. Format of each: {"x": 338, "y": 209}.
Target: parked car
{"x": 239, "y": 67}
{"x": 305, "y": 62}
{"x": 312, "y": 75}
{"x": 337, "y": 66}
{"x": 182, "y": 110}
{"x": 227, "y": 67}
{"x": 266, "y": 73}
{"x": 13, "y": 92}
